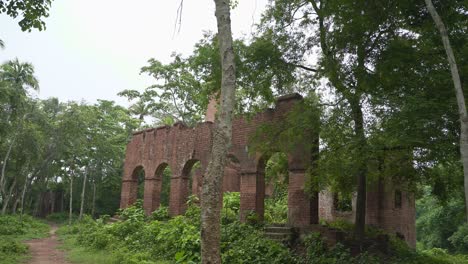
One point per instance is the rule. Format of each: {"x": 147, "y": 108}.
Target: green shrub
{"x": 231, "y": 207}
{"x": 134, "y": 212}
{"x": 241, "y": 243}
{"x": 276, "y": 210}
{"x": 161, "y": 214}
{"x": 459, "y": 239}
{"x": 13, "y": 247}
{"x": 24, "y": 226}
{"x": 341, "y": 225}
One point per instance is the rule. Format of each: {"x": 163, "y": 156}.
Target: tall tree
{"x": 459, "y": 94}
{"x": 350, "y": 35}
{"x": 212, "y": 182}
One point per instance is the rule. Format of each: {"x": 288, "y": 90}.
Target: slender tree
{"x": 458, "y": 92}
{"x": 212, "y": 182}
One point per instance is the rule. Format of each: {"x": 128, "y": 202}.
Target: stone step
{"x": 277, "y": 225}
{"x": 278, "y": 229}
{"x": 278, "y": 236}
{"x": 113, "y": 220}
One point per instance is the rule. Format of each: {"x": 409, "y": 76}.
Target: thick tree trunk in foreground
{"x": 212, "y": 182}
{"x": 361, "y": 200}
{"x": 459, "y": 93}
{"x": 83, "y": 191}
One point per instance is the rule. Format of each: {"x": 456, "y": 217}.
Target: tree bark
{"x": 70, "y": 209}
{"x": 93, "y": 206}
{"x": 4, "y": 164}
{"x": 459, "y": 94}
{"x": 360, "y": 220}
{"x": 23, "y": 194}
{"x": 6, "y": 200}
{"x": 212, "y": 182}
{"x": 83, "y": 191}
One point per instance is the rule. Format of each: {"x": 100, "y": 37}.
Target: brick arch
{"x": 153, "y": 188}
{"x": 130, "y": 186}
{"x": 176, "y": 145}
{"x": 183, "y": 191}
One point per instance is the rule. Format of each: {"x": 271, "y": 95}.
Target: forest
{"x": 382, "y": 83}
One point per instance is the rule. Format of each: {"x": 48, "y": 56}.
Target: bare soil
{"x": 45, "y": 251}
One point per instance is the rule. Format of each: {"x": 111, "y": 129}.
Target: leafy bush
{"x": 161, "y": 214}
{"x": 242, "y": 243}
{"x": 134, "y": 212}
{"x": 276, "y": 210}
{"x": 318, "y": 253}
{"x": 459, "y": 239}
{"x": 13, "y": 229}
{"x": 11, "y": 246}
{"x": 231, "y": 207}
{"x": 341, "y": 224}
{"x": 437, "y": 221}
{"x": 25, "y": 226}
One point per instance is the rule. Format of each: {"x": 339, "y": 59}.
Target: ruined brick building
{"x": 180, "y": 147}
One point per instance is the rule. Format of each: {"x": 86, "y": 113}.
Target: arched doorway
{"x": 190, "y": 179}
{"x": 163, "y": 174}
{"x": 137, "y": 187}
{"x": 267, "y": 190}
{"x": 276, "y": 188}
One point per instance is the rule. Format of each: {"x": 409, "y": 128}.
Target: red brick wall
{"x": 179, "y": 147}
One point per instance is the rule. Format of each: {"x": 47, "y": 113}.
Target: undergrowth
{"x": 13, "y": 230}
{"x": 160, "y": 239}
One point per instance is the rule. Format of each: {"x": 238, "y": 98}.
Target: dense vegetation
{"x": 13, "y": 230}
{"x": 160, "y": 239}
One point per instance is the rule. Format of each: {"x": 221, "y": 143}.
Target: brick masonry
{"x": 180, "y": 147}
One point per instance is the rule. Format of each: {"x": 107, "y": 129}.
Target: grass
{"x": 80, "y": 255}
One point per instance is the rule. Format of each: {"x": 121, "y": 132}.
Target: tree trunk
{"x": 83, "y": 191}
{"x": 212, "y": 182}
{"x": 16, "y": 203}
{"x": 6, "y": 199}
{"x": 23, "y": 194}
{"x": 4, "y": 164}
{"x": 360, "y": 220}
{"x": 459, "y": 94}
{"x": 93, "y": 206}
{"x": 70, "y": 209}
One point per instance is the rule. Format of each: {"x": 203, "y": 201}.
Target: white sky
{"x": 93, "y": 49}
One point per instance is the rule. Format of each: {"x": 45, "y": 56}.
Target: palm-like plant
{"x": 16, "y": 78}
{"x": 20, "y": 75}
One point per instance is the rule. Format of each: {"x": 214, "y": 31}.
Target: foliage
{"x": 161, "y": 214}
{"x": 46, "y": 143}
{"x": 437, "y": 221}
{"x": 459, "y": 239}
{"x": 14, "y": 229}
{"x": 32, "y": 11}
{"x": 11, "y": 250}
{"x": 276, "y": 209}
{"x": 231, "y": 207}
{"x": 136, "y": 240}
{"x": 23, "y": 226}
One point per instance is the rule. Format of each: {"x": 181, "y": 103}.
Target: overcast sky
{"x": 92, "y": 49}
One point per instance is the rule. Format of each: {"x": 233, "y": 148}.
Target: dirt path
{"x": 45, "y": 251}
